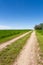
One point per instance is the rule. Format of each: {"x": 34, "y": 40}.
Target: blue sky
{"x": 20, "y": 14}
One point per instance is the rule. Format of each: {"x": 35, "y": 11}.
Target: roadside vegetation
{"x": 8, "y": 55}
{"x": 40, "y": 38}
{"x": 39, "y": 34}
{"x": 6, "y": 35}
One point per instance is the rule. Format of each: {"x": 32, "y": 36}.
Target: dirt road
{"x": 29, "y": 54}
{"x": 4, "y": 45}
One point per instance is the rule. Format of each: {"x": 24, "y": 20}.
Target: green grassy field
{"x": 6, "y": 35}
{"x": 8, "y": 55}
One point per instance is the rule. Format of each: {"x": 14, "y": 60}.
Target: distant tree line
{"x": 39, "y": 27}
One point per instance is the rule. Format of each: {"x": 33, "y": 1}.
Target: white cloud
{"x": 4, "y": 27}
